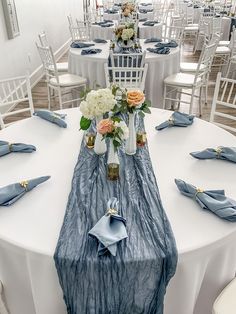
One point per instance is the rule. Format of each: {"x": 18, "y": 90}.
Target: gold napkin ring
{"x": 10, "y": 147}
{"x": 24, "y": 184}
{"x": 198, "y": 191}
{"x": 171, "y": 120}
{"x": 218, "y": 151}
{"x": 111, "y": 211}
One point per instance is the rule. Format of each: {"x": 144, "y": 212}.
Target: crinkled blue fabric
{"x": 134, "y": 281}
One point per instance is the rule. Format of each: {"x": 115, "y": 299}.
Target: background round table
{"x": 149, "y": 31}
{"x": 112, "y": 16}
{"x": 148, "y": 15}
{"x": 159, "y": 67}
{"x": 29, "y": 229}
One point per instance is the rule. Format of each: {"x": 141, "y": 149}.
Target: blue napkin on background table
{"x": 100, "y": 41}
{"x": 170, "y": 44}
{"x": 106, "y": 25}
{"x": 159, "y": 50}
{"x": 213, "y": 200}
{"x": 6, "y": 148}
{"x": 145, "y": 10}
{"x": 177, "y": 119}
{"x": 80, "y": 44}
{"x": 111, "y": 11}
{"x": 11, "y": 193}
{"x": 221, "y": 152}
{"x": 144, "y": 4}
{"x": 110, "y": 229}
{"x": 57, "y": 118}
{"x": 152, "y": 40}
{"x": 143, "y": 20}
{"x": 90, "y": 51}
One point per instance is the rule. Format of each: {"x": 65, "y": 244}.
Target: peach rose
{"x": 135, "y": 98}
{"x": 126, "y": 12}
{"x": 105, "y": 126}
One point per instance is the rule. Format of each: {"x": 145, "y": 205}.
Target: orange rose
{"x": 135, "y": 98}
{"x": 105, "y": 126}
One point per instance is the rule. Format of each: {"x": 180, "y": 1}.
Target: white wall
{"x": 35, "y": 16}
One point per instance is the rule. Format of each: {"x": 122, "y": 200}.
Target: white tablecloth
{"x": 159, "y": 67}
{"x": 108, "y": 32}
{"x": 148, "y": 15}
{"x": 109, "y": 16}
{"x": 29, "y": 229}
{"x": 150, "y": 31}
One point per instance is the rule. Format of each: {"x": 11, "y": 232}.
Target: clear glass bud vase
{"x": 113, "y": 163}
{"x": 131, "y": 145}
{"x": 100, "y": 146}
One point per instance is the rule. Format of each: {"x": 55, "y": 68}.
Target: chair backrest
{"x": 13, "y": 92}
{"x": 224, "y": 102}
{"x": 48, "y": 60}
{"x": 173, "y": 33}
{"x": 205, "y": 62}
{"x": 233, "y": 42}
{"x": 43, "y": 39}
{"x": 74, "y": 32}
{"x": 70, "y": 20}
{"x": 130, "y": 78}
{"x": 84, "y": 29}
{"x": 127, "y": 60}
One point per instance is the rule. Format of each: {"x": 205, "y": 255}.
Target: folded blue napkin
{"x": 145, "y": 10}
{"x": 159, "y": 50}
{"x": 106, "y": 25}
{"x": 213, "y": 200}
{"x": 11, "y": 193}
{"x": 90, "y": 51}
{"x": 80, "y": 44}
{"x": 176, "y": 119}
{"x": 111, "y": 11}
{"x": 110, "y": 229}
{"x": 51, "y": 116}
{"x": 100, "y": 41}
{"x": 196, "y": 6}
{"x": 152, "y": 40}
{"x": 143, "y": 20}
{"x": 170, "y": 44}
{"x": 144, "y": 4}
{"x": 150, "y": 23}
{"x": 103, "y": 22}
{"x": 221, "y": 152}
{"x": 6, "y": 148}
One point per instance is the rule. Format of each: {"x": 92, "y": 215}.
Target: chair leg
{"x": 164, "y": 100}
{"x": 200, "y": 101}
{"x": 49, "y": 97}
{"x": 60, "y": 97}
{"x": 191, "y": 102}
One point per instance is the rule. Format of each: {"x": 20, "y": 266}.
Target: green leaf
{"x": 141, "y": 114}
{"x": 148, "y": 103}
{"x": 85, "y": 123}
{"x": 146, "y": 110}
{"x": 115, "y": 118}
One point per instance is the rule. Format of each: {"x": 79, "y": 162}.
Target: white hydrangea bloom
{"x": 127, "y": 34}
{"x": 97, "y": 103}
{"x": 124, "y": 128}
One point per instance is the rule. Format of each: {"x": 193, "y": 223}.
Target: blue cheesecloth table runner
{"x": 134, "y": 281}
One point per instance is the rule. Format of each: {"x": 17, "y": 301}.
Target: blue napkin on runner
{"x": 110, "y": 229}
{"x": 90, "y": 51}
{"x": 221, "y": 152}
{"x": 213, "y": 200}
{"x": 152, "y": 40}
{"x": 51, "y": 116}
{"x": 159, "y": 50}
{"x": 177, "y": 119}
{"x": 170, "y": 44}
{"x": 6, "y": 148}
{"x": 80, "y": 44}
{"x": 100, "y": 41}
{"x": 11, "y": 193}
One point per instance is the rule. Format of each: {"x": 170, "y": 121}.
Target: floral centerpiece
{"x": 94, "y": 106}
{"x": 132, "y": 102}
{"x": 127, "y": 8}
{"x": 125, "y": 34}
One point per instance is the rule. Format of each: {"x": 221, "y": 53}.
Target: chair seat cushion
{"x": 181, "y": 79}
{"x": 190, "y": 67}
{"x": 62, "y": 66}
{"x": 226, "y": 301}
{"x": 191, "y": 28}
{"x": 224, "y": 43}
{"x": 68, "y": 80}
{"x": 222, "y": 50}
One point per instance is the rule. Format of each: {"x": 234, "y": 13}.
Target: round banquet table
{"x": 98, "y": 31}
{"x": 112, "y": 16}
{"x": 159, "y": 67}
{"x": 29, "y": 229}
{"x": 148, "y": 15}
